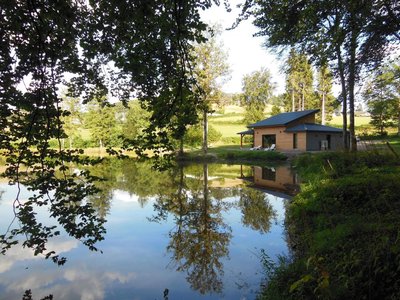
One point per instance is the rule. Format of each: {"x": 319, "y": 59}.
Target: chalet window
{"x": 268, "y": 140}
{"x": 269, "y": 174}
{"x": 294, "y": 140}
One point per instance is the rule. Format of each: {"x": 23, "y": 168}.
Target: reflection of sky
{"x": 135, "y": 263}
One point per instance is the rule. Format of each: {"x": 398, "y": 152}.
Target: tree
{"x": 210, "y": 70}
{"x": 351, "y": 35}
{"x": 195, "y": 135}
{"x": 148, "y": 43}
{"x": 136, "y": 120}
{"x": 324, "y": 90}
{"x": 395, "y": 84}
{"x": 258, "y": 213}
{"x": 100, "y": 119}
{"x": 382, "y": 94}
{"x": 299, "y": 82}
{"x": 275, "y": 110}
{"x": 300, "y": 92}
{"x": 200, "y": 238}
{"x": 257, "y": 90}
{"x": 72, "y": 118}
{"x": 40, "y": 42}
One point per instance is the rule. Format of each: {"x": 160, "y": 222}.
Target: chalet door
{"x": 328, "y": 138}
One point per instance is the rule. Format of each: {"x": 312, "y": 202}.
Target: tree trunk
{"x": 323, "y": 109}
{"x": 205, "y": 179}
{"x": 205, "y": 195}
{"x": 351, "y": 84}
{"x": 293, "y": 104}
{"x": 205, "y": 131}
{"x": 344, "y": 95}
{"x": 398, "y": 120}
{"x": 180, "y": 147}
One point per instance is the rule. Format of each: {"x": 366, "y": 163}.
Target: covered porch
{"x": 243, "y": 133}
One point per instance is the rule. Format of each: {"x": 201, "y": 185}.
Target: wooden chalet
{"x": 294, "y": 131}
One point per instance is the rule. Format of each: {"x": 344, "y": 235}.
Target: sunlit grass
{"x": 229, "y": 130}
{"x": 226, "y": 118}
{"x": 359, "y": 121}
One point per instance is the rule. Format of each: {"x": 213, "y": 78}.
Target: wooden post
{"x": 205, "y": 132}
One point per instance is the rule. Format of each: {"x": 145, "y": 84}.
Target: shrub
{"x": 343, "y": 228}
{"x": 194, "y": 136}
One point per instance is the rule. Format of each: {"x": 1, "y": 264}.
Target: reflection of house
{"x": 295, "y": 131}
{"x": 280, "y": 179}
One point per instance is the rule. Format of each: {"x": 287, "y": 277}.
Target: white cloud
{"x": 246, "y": 53}
{"x": 18, "y": 253}
{"x": 119, "y": 195}
{"x": 74, "y": 283}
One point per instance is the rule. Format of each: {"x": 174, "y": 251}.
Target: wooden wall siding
{"x": 314, "y": 140}
{"x": 284, "y": 140}
{"x": 301, "y": 140}
{"x": 283, "y": 179}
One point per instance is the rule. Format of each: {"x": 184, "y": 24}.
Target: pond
{"x": 194, "y": 232}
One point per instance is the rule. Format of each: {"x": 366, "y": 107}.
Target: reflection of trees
{"x": 106, "y": 173}
{"x": 136, "y": 178}
{"x": 139, "y": 178}
{"x": 63, "y": 193}
{"x": 257, "y": 211}
{"x": 200, "y": 238}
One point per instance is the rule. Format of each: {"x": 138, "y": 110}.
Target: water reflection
{"x": 207, "y": 223}
{"x": 258, "y": 213}
{"x": 201, "y": 237}
{"x": 278, "y": 178}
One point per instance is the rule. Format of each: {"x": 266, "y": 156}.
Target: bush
{"x": 231, "y": 140}
{"x": 194, "y": 136}
{"x": 343, "y": 228}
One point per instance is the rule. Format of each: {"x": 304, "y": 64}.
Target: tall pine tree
{"x": 299, "y": 82}
{"x": 326, "y": 100}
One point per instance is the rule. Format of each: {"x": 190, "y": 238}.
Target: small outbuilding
{"x": 295, "y": 131}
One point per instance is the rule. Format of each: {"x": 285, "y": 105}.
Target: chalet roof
{"x": 283, "y": 118}
{"x": 313, "y": 127}
{"x": 250, "y": 131}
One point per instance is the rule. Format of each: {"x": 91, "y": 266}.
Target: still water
{"x": 195, "y": 232}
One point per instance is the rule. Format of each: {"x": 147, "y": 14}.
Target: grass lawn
{"x": 226, "y": 118}
{"x": 234, "y": 109}
{"x": 337, "y": 121}
{"x": 229, "y": 124}
{"x": 229, "y": 130}
{"x": 234, "y": 153}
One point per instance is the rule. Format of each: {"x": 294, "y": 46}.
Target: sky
{"x": 245, "y": 52}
